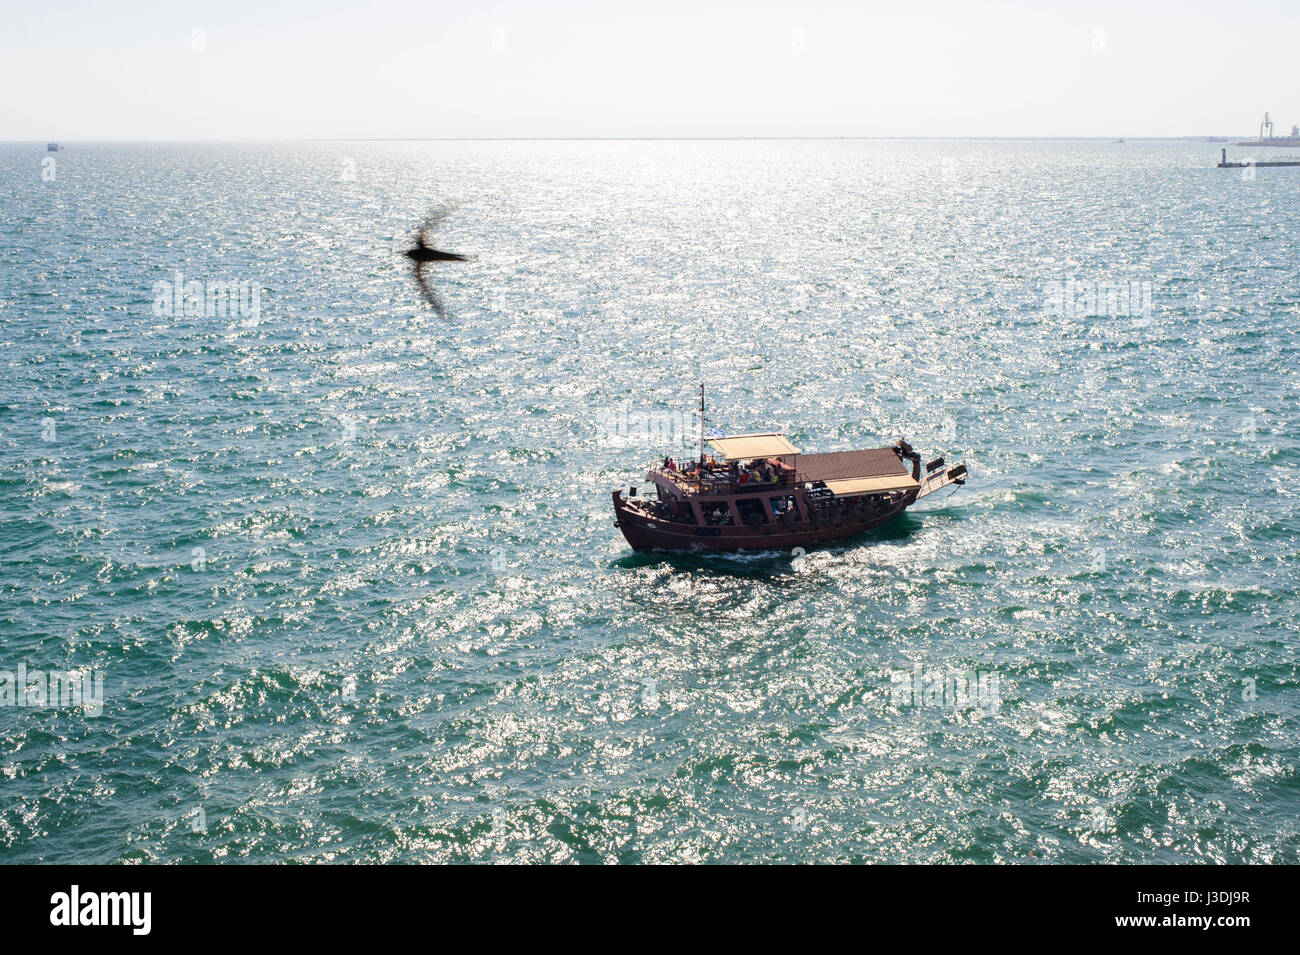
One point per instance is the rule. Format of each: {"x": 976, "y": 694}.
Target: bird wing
{"x": 430, "y": 295}
{"x": 431, "y": 223}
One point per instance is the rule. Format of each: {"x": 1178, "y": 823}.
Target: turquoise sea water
{"x": 349, "y": 573}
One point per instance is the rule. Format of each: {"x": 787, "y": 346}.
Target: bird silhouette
{"x": 424, "y": 253}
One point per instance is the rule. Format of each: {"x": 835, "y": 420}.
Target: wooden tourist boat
{"x": 759, "y": 492}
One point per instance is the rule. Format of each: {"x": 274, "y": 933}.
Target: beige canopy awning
{"x": 743, "y": 447}
{"x": 873, "y": 485}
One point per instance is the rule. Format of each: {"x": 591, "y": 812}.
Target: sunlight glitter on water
{"x": 352, "y": 573}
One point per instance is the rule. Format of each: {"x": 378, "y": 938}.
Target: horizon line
{"x": 1195, "y": 138}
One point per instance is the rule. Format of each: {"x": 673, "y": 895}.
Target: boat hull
{"x": 646, "y": 533}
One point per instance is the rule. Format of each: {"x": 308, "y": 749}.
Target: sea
{"x": 293, "y": 569}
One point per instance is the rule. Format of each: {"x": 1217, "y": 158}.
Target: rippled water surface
{"x": 350, "y": 576}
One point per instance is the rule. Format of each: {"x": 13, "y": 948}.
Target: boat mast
{"x": 701, "y": 426}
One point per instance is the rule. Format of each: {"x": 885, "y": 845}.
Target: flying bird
{"x": 423, "y": 254}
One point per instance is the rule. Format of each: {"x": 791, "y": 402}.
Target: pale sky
{"x": 149, "y": 69}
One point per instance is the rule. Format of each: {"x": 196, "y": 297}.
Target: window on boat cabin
{"x": 678, "y": 510}
{"x": 783, "y": 504}
{"x": 752, "y": 510}
{"x": 671, "y": 508}
{"x": 715, "y": 513}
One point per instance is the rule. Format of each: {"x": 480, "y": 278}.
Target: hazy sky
{"x": 147, "y": 69}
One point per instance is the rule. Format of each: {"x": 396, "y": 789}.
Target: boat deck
{"x": 718, "y": 482}
{"x": 869, "y": 464}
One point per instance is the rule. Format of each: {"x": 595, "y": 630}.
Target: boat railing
{"x": 723, "y": 485}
